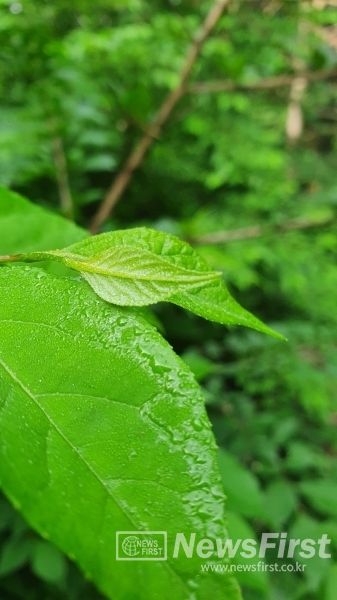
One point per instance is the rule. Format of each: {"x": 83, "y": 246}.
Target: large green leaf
{"x": 26, "y": 227}
{"x": 103, "y": 428}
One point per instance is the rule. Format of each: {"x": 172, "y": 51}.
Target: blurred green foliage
{"x": 80, "y": 83}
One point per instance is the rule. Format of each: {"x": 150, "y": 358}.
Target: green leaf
{"x": 321, "y": 494}
{"x": 242, "y": 489}
{"x": 103, "y": 429}
{"x": 216, "y": 304}
{"x": 48, "y": 562}
{"x": 304, "y": 527}
{"x": 330, "y": 528}
{"x": 200, "y": 366}
{"x": 210, "y": 300}
{"x": 6, "y": 514}
{"x": 280, "y": 502}
{"x": 26, "y": 227}
{"x": 331, "y": 584}
{"x": 239, "y": 529}
{"x": 15, "y": 554}
{"x": 301, "y": 456}
{"x": 125, "y": 275}
{"x": 141, "y": 266}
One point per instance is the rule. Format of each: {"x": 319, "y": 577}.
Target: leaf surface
{"x": 141, "y": 266}
{"x": 127, "y": 275}
{"x": 211, "y": 300}
{"x": 103, "y": 429}
{"x": 26, "y": 227}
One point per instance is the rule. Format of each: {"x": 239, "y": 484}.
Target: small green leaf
{"x": 321, "y": 494}
{"x": 305, "y": 527}
{"x": 141, "y": 266}
{"x": 15, "y": 554}
{"x": 301, "y": 456}
{"x": 48, "y": 562}
{"x": 200, "y": 366}
{"x": 250, "y": 575}
{"x": 6, "y": 514}
{"x": 128, "y": 276}
{"x": 125, "y": 275}
{"x": 241, "y": 487}
{"x": 280, "y": 502}
{"x": 213, "y": 302}
{"x": 330, "y": 592}
{"x": 210, "y": 300}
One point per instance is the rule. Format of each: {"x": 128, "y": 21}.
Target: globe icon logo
{"x": 129, "y": 545}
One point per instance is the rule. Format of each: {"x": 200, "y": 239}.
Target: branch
{"x": 263, "y": 84}
{"x": 256, "y": 231}
{"x": 137, "y": 155}
{"x": 294, "y": 120}
{"x": 60, "y": 162}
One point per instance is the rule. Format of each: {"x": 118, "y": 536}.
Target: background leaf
{"x": 48, "y": 562}
{"x": 239, "y": 529}
{"x": 241, "y": 487}
{"x": 321, "y": 494}
{"x": 331, "y": 584}
{"x": 279, "y": 503}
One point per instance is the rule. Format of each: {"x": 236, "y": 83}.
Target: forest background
{"x": 241, "y": 162}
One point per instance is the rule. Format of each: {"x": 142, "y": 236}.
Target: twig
{"x": 60, "y": 162}
{"x": 263, "y": 84}
{"x": 137, "y": 155}
{"x": 255, "y": 231}
{"x": 294, "y": 120}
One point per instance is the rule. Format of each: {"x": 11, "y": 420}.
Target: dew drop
{"x": 45, "y": 535}
{"x": 198, "y": 426}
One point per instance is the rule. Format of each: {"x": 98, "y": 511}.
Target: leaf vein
{"x": 64, "y": 437}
